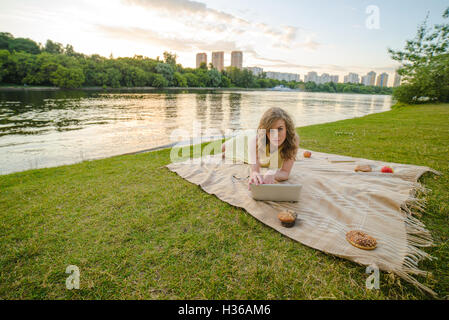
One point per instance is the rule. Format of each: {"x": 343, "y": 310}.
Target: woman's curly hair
{"x": 289, "y": 146}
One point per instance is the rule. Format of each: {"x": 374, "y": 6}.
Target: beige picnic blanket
{"x": 335, "y": 199}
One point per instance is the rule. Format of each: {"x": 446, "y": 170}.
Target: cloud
{"x": 173, "y": 42}
{"x": 308, "y": 44}
{"x": 226, "y": 24}
{"x": 182, "y": 7}
{"x": 177, "y": 43}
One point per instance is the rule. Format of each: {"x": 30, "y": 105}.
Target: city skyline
{"x": 237, "y": 61}
{"x": 290, "y": 36}
{"x": 217, "y": 59}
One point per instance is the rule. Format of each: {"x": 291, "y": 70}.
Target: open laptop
{"x": 276, "y": 192}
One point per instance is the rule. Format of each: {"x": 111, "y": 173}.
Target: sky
{"x": 336, "y": 37}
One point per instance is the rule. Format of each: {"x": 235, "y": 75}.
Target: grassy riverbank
{"x": 139, "y": 231}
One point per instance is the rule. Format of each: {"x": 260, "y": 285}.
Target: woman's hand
{"x": 255, "y": 178}
{"x": 269, "y": 178}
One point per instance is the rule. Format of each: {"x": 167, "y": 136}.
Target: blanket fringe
{"x": 417, "y": 236}
{"x": 416, "y": 203}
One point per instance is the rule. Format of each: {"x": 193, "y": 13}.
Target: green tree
{"x": 310, "y": 86}
{"x": 26, "y": 45}
{"x": 235, "y": 74}
{"x": 159, "y": 81}
{"x": 67, "y": 78}
{"x": 47, "y": 64}
{"x": 292, "y": 84}
{"x": 347, "y": 89}
{"x": 166, "y": 71}
{"x": 326, "y": 87}
{"x": 132, "y": 76}
{"x": 68, "y": 50}
{"x": 263, "y": 83}
{"x": 18, "y": 66}
{"x": 179, "y": 80}
{"x": 5, "y": 39}
{"x": 4, "y": 58}
{"x": 203, "y": 77}
{"x": 192, "y": 79}
{"x": 422, "y": 61}
{"x": 114, "y": 77}
{"x": 225, "y": 82}
{"x": 246, "y": 79}
{"x": 273, "y": 83}
{"x": 22, "y": 65}
{"x": 170, "y": 58}
{"x": 140, "y": 78}
{"x": 95, "y": 73}
{"x": 214, "y": 78}
{"x": 53, "y": 47}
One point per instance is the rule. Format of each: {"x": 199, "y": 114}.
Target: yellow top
{"x": 270, "y": 160}
{"x": 234, "y": 150}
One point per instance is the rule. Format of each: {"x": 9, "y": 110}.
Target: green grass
{"x": 139, "y": 231}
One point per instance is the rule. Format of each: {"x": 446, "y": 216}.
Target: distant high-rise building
{"x": 334, "y": 78}
{"x": 201, "y": 57}
{"x": 371, "y": 78}
{"x": 397, "y": 80}
{"x": 255, "y": 70}
{"x": 365, "y": 80}
{"x": 324, "y": 78}
{"x": 311, "y": 76}
{"x": 237, "y": 59}
{"x": 218, "y": 60}
{"x": 382, "y": 80}
{"x": 351, "y": 78}
{"x": 283, "y": 76}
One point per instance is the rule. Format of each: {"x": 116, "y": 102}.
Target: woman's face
{"x": 279, "y": 127}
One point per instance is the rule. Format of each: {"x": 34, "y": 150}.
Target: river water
{"x": 50, "y": 128}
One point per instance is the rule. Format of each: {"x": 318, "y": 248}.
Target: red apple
{"x": 307, "y": 154}
{"x": 386, "y": 169}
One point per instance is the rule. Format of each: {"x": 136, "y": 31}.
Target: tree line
{"x": 346, "y": 88}
{"x": 25, "y": 62}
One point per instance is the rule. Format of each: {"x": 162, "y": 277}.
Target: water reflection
{"x": 49, "y": 128}
{"x": 216, "y": 109}
{"x": 235, "y": 101}
{"x": 201, "y": 108}
{"x": 170, "y": 106}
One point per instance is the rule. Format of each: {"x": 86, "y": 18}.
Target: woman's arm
{"x": 283, "y": 173}
{"x": 255, "y": 177}
{"x": 279, "y": 175}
